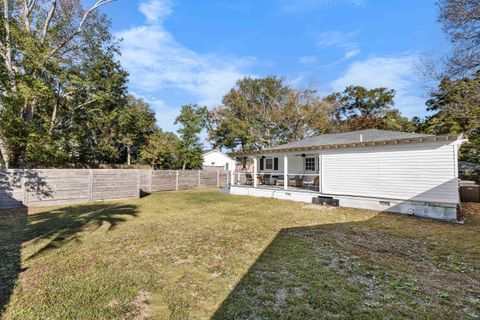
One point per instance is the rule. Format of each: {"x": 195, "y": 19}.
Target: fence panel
{"x": 188, "y": 179}
{"x": 11, "y": 188}
{"x": 49, "y": 187}
{"x": 164, "y": 180}
{"x": 208, "y": 179}
{"x": 115, "y": 184}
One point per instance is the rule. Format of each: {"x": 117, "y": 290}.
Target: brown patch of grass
{"x": 142, "y": 309}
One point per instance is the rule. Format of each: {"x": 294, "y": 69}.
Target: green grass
{"x": 201, "y": 254}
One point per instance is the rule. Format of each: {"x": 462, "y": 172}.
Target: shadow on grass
{"x": 389, "y": 266}
{"x": 56, "y": 228}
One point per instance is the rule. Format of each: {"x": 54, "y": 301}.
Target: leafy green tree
{"x": 161, "y": 150}
{"x": 359, "y": 108}
{"x": 43, "y": 45}
{"x": 135, "y": 123}
{"x": 357, "y": 101}
{"x": 192, "y": 119}
{"x": 264, "y": 112}
{"x": 456, "y": 104}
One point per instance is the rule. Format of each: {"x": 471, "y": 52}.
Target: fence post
{"x": 199, "y": 181}
{"x": 138, "y": 183}
{"x": 218, "y": 178}
{"x": 90, "y": 177}
{"x": 150, "y": 181}
{"x": 24, "y": 186}
{"x": 176, "y": 180}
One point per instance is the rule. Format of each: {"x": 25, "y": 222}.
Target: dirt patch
{"x": 281, "y": 296}
{"x": 142, "y": 309}
{"x": 113, "y": 304}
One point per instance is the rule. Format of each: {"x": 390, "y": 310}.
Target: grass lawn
{"x": 201, "y": 254}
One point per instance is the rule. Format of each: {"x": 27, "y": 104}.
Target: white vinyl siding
{"x": 217, "y": 159}
{"x": 295, "y": 164}
{"x": 422, "y": 172}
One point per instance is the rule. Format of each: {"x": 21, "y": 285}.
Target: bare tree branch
{"x": 97, "y": 5}
{"x": 48, "y": 20}
{"x": 8, "y": 43}
{"x": 30, "y": 6}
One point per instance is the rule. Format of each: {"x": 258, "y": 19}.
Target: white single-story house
{"x": 401, "y": 172}
{"x": 215, "y": 159}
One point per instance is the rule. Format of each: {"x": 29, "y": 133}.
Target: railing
{"x": 305, "y": 181}
{"x": 242, "y": 179}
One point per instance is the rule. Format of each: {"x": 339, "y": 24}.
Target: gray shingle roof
{"x": 369, "y": 135}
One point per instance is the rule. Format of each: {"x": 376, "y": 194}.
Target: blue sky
{"x": 190, "y": 51}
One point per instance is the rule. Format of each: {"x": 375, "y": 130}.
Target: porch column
{"x": 285, "y": 172}
{"x": 320, "y": 173}
{"x": 232, "y": 177}
{"x": 254, "y": 172}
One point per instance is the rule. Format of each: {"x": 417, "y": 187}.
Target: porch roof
{"x": 353, "y": 139}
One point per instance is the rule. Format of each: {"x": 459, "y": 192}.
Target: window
{"x": 226, "y": 166}
{"x": 268, "y": 163}
{"x": 310, "y": 164}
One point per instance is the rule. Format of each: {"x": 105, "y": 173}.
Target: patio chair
{"x": 266, "y": 179}
{"x": 279, "y": 182}
{"x": 312, "y": 184}
{"x": 296, "y": 181}
{"x": 249, "y": 179}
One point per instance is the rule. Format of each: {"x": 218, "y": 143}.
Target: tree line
{"x": 64, "y": 100}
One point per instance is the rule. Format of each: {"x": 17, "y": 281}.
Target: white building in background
{"x": 215, "y": 159}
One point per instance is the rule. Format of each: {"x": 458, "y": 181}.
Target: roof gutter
{"x": 447, "y": 137}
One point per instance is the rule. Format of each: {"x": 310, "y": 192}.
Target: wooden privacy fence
{"x": 48, "y": 187}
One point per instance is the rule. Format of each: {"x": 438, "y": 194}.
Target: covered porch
{"x": 299, "y": 172}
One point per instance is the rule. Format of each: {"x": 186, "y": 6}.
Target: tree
{"x": 82, "y": 118}
{"x": 359, "y": 108}
{"x": 265, "y": 112}
{"x": 42, "y": 46}
{"x": 456, "y": 104}
{"x": 357, "y": 101}
{"x": 461, "y": 20}
{"x": 395, "y": 121}
{"x": 161, "y": 150}
{"x": 192, "y": 120}
{"x": 135, "y": 123}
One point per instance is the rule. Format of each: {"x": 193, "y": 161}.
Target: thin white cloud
{"x": 295, "y": 82}
{"x": 292, "y": 6}
{"x": 158, "y": 63}
{"x": 156, "y": 10}
{"x": 351, "y": 53}
{"x": 397, "y": 73}
{"x": 338, "y": 39}
{"x": 307, "y": 60}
